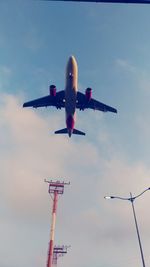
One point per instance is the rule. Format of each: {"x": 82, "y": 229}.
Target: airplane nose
{"x": 70, "y": 65}
{"x": 71, "y": 59}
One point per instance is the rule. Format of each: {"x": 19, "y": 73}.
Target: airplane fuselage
{"x": 71, "y": 93}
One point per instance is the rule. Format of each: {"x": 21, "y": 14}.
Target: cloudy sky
{"x": 111, "y": 44}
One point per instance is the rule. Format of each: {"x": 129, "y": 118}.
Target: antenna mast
{"x": 55, "y": 189}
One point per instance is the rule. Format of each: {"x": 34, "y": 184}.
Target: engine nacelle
{"x": 52, "y": 90}
{"x": 88, "y": 94}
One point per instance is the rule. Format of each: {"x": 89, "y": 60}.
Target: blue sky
{"x": 111, "y": 45}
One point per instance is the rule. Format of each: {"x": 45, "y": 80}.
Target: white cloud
{"x": 125, "y": 65}
{"x": 93, "y": 226}
{"x": 141, "y": 76}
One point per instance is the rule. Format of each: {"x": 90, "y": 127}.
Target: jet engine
{"x": 88, "y": 94}
{"x": 52, "y": 90}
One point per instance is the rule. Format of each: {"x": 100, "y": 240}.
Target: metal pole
{"x": 137, "y": 230}
{"x": 51, "y": 244}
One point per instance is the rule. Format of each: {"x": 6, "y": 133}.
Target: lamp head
{"x": 108, "y": 197}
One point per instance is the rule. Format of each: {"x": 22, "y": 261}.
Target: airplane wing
{"x": 56, "y": 101}
{"x": 82, "y": 104}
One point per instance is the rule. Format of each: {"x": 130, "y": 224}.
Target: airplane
{"x": 70, "y": 99}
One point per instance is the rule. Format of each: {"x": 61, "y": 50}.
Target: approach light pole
{"x": 55, "y": 189}
{"x": 131, "y": 199}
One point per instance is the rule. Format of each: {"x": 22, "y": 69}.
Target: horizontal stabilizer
{"x": 65, "y": 131}
{"x": 62, "y": 131}
{"x": 75, "y": 131}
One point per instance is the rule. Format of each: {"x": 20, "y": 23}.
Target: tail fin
{"x": 75, "y": 131}
{"x": 65, "y": 131}
{"x": 62, "y": 131}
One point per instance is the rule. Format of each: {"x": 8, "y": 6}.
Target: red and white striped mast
{"x": 55, "y": 189}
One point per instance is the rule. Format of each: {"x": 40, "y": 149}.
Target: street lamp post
{"x": 131, "y": 199}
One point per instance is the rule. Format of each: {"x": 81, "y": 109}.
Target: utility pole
{"x": 55, "y": 189}
{"x": 132, "y": 199}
